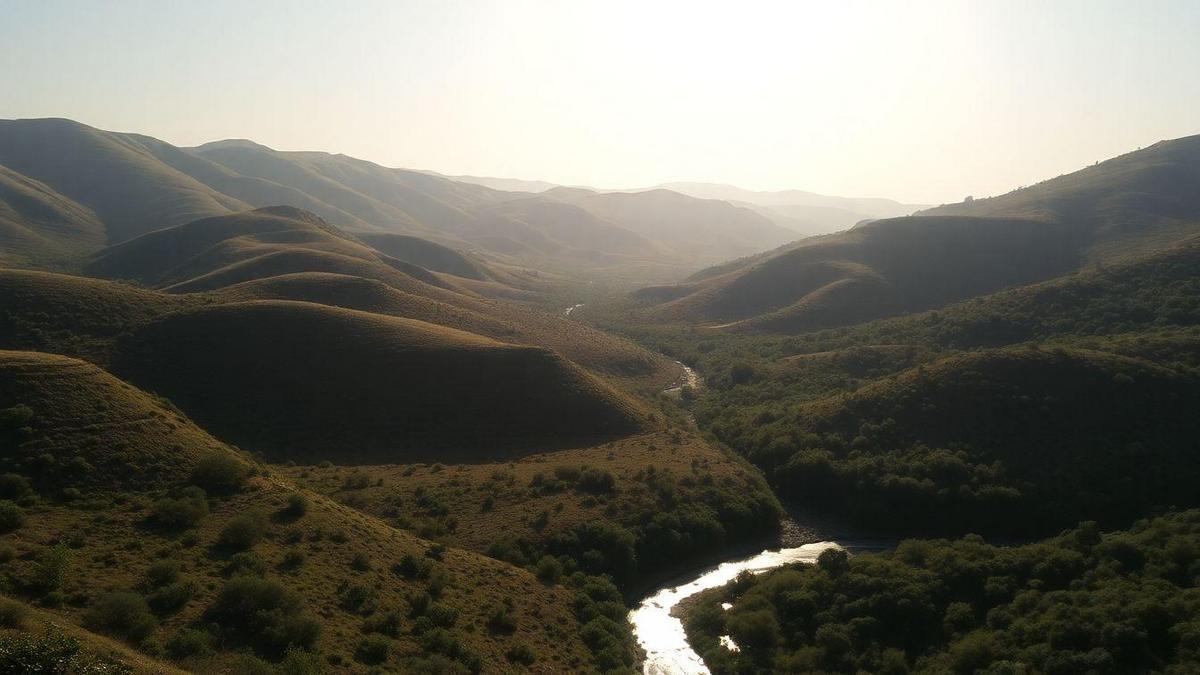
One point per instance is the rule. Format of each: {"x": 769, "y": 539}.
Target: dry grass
{"x": 111, "y": 542}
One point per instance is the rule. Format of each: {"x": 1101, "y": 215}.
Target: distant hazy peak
{"x": 232, "y": 143}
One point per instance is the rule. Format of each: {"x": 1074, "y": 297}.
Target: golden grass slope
{"x": 142, "y": 450}
{"x": 41, "y": 228}
{"x": 213, "y": 252}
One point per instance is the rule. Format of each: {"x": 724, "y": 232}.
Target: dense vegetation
{"x": 1120, "y": 602}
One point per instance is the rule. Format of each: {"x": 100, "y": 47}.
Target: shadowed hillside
{"x": 1133, "y": 204}
{"x": 885, "y": 267}
{"x": 306, "y": 381}
{"x": 81, "y": 317}
{"x": 605, "y": 354}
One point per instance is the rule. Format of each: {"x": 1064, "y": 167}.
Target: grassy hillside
{"x": 306, "y": 381}
{"x": 134, "y": 184}
{"x": 1129, "y": 203}
{"x": 1130, "y": 206}
{"x": 643, "y": 504}
{"x": 1084, "y": 601}
{"x": 430, "y": 255}
{"x": 128, "y": 189}
{"x": 134, "y": 523}
{"x": 76, "y": 316}
{"x": 882, "y": 268}
{"x": 703, "y": 230}
{"x": 214, "y": 252}
{"x": 387, "y": 199}
{"x": 41, "y": 228}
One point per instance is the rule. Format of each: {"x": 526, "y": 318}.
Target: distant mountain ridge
{"x": 1135, "y": 204}
{"x": 117, "y": 186}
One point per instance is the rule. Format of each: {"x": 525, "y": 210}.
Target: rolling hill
{"x": 128, "y": 189}
{"x": 1128, "y": 206}
{"x": 116, "y": 538}
{"x": 300, "y": 381}
{"x": 134, "y": 184}
{"x": 41, "y": 228}
{"x": 223, "y": 250}
{"x": 806, "y": 212}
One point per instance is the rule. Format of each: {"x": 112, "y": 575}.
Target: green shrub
{"x": 521, "y": 653}
{"x": 386, "y": 623}
{"x": 242, "y": 532}
{"x": 171, "y": 597}
{"x": 183, "y": 511}
{"x": 246, "y": 563}
{"x": 263, "y": 614}
{"x": 123, "y": 614}
{"x": 11, "y": 516}
{"x": 188, "y": 642}
{"x": 373, "y": 650}
{"x": 549, "y": 569}
{"x": 220, "y": 472}
{"x": 12, "y": 613}
{"x": 299, "y": 662}
{"x": 359, "y": 598}
{"x": 412, "y": 567}
{"x": 14, "y": 487}
{"x": 293, "y": 559}
{"x": 596, "y": 481}
{"x": 361, "y": 562}
{"x": 441, "y": 615}
{"x": 296, "y": 507}
{"x": 16, "y": 417}
{"x": 500, "y": 620}
{"x": 162, "y": 572}
{"x": 50, "y": 568}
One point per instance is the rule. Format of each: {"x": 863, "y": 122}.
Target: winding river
{"x": 659, "y": 633}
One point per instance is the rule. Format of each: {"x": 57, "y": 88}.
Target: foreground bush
{"x": 263, "y": 614}
{"x": 220, "y": 473}
{"x": 242, "y": 532}
{"x": 183, "y": 511}
{"x": 11, "y": 516}
{"x": 122, "y": 614}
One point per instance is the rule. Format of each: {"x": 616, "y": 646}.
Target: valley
{"x": 279, "y": 411}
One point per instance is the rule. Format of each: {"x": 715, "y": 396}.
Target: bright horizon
{"x": 922, "y": 104}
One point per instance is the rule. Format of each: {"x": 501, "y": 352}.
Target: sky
{"x": 925, "y": 102}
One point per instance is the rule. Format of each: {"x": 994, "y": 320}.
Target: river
{"x": 659, "y": 633}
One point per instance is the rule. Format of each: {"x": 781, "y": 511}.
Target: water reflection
{"x": 662, "y": 636}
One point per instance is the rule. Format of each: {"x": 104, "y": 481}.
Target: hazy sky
{"x": 920, "y": 101}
